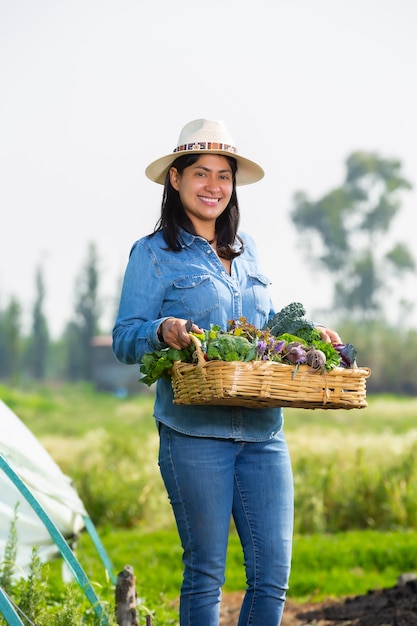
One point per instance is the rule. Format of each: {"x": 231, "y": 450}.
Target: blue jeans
{"x": 209, "y": 481}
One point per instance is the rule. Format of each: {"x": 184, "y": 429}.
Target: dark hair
{"x": 173, "y": 216}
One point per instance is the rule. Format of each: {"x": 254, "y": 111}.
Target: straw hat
{"x": 206, "y": 137}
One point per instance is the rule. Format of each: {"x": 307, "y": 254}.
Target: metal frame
{"x": 80, "y": 576}
{"x": 8, "y": 610}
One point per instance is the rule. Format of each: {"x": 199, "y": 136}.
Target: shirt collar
{"x": 187, "y": 239}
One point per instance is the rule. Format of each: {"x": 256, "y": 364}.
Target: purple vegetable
{"x": 295, "y": 353}
{"x": 348, "y": 354}
{"x": 261, "y": 347}
{"x": 278, "y": 346}
{"x": 316, "y": 359}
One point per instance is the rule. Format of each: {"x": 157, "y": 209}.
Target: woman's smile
{"x": 209, "y": 201}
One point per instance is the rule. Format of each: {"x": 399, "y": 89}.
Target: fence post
{"x": 126, "y": 598}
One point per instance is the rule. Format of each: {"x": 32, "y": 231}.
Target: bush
{"x": 391, "y": 353}
{"x": 350, "y": 489}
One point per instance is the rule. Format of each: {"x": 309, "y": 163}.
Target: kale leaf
{"x": 291, "y": 319}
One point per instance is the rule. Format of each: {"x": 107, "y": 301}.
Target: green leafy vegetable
{"x": 158, "y": 364}
{"x": 291, "y": 319}
{"x": 227, "y": 347}
{"x": 333, "y": 357}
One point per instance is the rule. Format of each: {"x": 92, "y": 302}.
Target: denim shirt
{"x": 160, "y": 283}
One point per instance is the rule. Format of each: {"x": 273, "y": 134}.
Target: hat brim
{"x": 247, "y": 171}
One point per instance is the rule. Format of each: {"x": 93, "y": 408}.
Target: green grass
{"x": 355, "y": 477}
{"x": 350, "y": 563}
{"x": 324, "y": 566}
{"x": 384, "y": 414}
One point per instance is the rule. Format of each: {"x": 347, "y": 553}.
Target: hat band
{"x": 203, "y": 145}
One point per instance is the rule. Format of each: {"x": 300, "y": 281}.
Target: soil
{"x": 394, "y": 606}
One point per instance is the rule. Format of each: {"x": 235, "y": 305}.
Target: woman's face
{"x": 204, "y": 188}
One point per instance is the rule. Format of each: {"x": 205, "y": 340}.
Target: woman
{"x": 217, "y": 463}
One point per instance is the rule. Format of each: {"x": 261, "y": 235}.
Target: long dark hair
{"x": 173, "y": 216}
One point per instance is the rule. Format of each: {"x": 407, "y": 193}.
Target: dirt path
{"x": 395, "y": 606}
{"x": 231, "y": 607}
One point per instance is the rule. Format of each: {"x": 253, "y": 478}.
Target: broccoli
{"x": 291, "y": 320}
{"x": 227, "y": 347}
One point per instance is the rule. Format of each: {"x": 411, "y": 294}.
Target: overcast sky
{"x": 94, "y": 90}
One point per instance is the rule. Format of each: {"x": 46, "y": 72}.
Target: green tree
{"x": 85, "y": 325}
{"x": 10, "y": 341}
{"x": 346, "y": 232}
{"x": 74, "y": 352}
{"x": 37, "y": 352}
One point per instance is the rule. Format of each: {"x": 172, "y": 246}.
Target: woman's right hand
{"x": 173, "y": 331}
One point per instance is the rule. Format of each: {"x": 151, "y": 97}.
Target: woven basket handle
{"x": 201, "y": 361}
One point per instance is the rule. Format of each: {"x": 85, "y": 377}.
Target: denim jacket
{"x": 160, "y": 283}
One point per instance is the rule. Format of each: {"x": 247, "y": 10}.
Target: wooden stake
{"x": 126, "y": 597}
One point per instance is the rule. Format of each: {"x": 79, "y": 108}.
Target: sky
{"x": 92, "y": 91}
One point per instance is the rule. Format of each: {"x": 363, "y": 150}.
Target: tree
{"x": 74, "y": 353}
{"x": 37, "y": 353}
{"x": 86, "y": 323}
{"x": 10, "y": 341}
{"x": 345, "y": 231}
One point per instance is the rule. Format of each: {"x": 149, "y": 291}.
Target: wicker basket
{"x": 261, "y": 384}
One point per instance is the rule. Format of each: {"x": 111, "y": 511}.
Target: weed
{"x": 7, "y": 564}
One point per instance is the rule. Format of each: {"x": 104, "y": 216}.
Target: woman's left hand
{"x": 331, "y": 336}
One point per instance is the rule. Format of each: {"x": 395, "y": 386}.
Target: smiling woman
{"x": 217, "y": 462}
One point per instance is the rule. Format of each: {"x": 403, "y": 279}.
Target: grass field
{"x": 355, "y": 476}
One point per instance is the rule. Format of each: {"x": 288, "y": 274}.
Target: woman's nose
{"x": 212, "y": 183}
